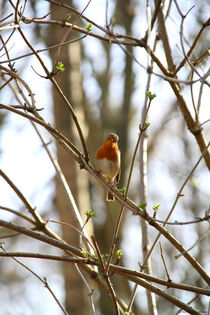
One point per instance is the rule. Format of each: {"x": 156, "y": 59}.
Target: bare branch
{"x": 43, "y": 238}
{"x": 116, "y": 269}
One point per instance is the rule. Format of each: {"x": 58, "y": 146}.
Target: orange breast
{"x": 108, "y": 151}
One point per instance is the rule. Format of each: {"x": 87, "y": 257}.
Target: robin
{"x": 107, "y": 161}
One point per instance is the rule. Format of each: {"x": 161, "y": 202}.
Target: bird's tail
{"x": 110, "y": 196}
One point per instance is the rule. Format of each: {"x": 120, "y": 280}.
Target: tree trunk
{"x": 71, "y": 84}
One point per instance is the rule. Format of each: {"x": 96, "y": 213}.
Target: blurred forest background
{"x": 107, "y": 90}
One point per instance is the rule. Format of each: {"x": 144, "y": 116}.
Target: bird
{"x": 107, "y": 161}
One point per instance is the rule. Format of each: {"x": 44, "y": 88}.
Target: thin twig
{"x": 206, "y": 24}
{"x": 43, "y": 238}
{"x": 183, "y": 48}
{"x": 197, "y": 220}
{"x": 147, "y": 285}
{"x": 38, "y": 51}
{"x": 90, "y": 292}
{"x": 19, "y": 214}
{"x": 200, "y": 239}
{"x": 164, "y": 263}
{"x": 88, "y": 244}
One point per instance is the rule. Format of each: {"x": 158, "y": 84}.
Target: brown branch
{"x": 14, "y": 75}
{"x": 38, "y": 51}
{"x": 114, "y": 268}
{"x": 193, "y": 126}
{"x": 156, "y": 11}
{"x": 164, "y": 37}
{"x": 166, "y": 283}
{"x": 6, "y": 82}
{"x": 198, "y": 220}
{"x": 5, "y": 28}
{"x": 5, "y": 48}
{"x": 206, "y": 24}
{"x": 48, "y": 257}
{"x": 200, "y": 58}
{"x": 199, "y": 240}
{"x": 161, "y": 293}
{"x": 8, "y": 16}
{"x": 202, "y": 78}
{"x": 132, "y": 41}
{"x": 164, "y": 263}
{"x": 114, "y": 40}
{"x": 43, "y": 238}
{"x": 88, "y": 244}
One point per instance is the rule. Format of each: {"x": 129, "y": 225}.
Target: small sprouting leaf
{"x": 60, "y": 67}
{"x": 119, "y": 253}
{"x": 122, "y": 190}
{"x": 146, "y": 124}
{"x": 156, "y": 207}
{"x": 91, "y": 256}
{"x": 105, "y": 257}
{"x": 150, "y": 95}
{"x": 68, "y": 16}
{"x": 90, "y": 214}
{"x": 143, "y": 205}
{"x": 97, "y": 261}
{"x": 89, "y": 27}
{"x": 88, "y": 255}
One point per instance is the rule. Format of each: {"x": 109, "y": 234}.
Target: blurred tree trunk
{"x": 70, "y": 82}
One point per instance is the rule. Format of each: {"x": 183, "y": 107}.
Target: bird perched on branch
{"x": 107, "y": 161}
